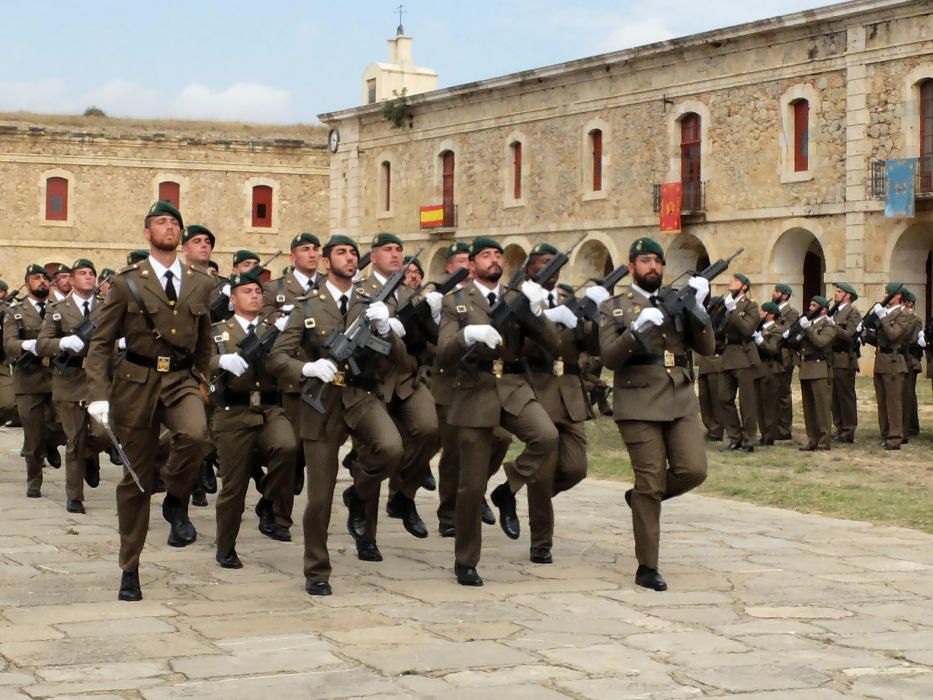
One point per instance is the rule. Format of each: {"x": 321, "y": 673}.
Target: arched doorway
{"x": 513, "y": 257}
{"x": 912, "y": 264}
{"x": 435, "y": 269}
{"x": 797, "y": 259}
{"x": 592, "y": 261}
{"x": 686, "y": 252}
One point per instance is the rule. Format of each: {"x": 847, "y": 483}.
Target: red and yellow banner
{"x": 671, "y": 199}
{"x": 433, "y": 216}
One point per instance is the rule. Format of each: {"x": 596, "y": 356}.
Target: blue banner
{"x": 900, "y": 176}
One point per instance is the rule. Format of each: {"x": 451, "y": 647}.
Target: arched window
{"x": 690, "y": 161}
{"x": 801, "y": 135}
{"x": 262, "y": 206}
{"x": 56, "y": 199}
{"x": 447, "y": 188}
{"x": 926, "y": 136}
{"x": 596, "y": 154}
{"x": 170, "y": 192}
{"x": 386, "y": 186}
{"x": 516, "y": 169}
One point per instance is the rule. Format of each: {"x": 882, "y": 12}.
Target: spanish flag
{"x": 671, "y": 199}
{"x": 433, "y": 216}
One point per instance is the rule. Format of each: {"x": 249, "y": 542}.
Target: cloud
{"x": 241, "y": 101}
{"x": 639, "y": 32}
{"x": 50, "y": 95}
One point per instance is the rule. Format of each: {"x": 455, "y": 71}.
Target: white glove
{"x": 397, "y": 327}
{"x": 434, "y": 299}
{"x": 29, "y": 346}
{"x": 701, "y": 285}
{"x": 536, "y": 295}
{"x": 121, "y": 343}
{"x": 758, "y": 337}
{"x": 786, "y": 334}
{"x": 650, "y": 315}
{"x": 225, "y": 290}
{"x": 879, "y": 311}
{"x": 922, "y": 340}
{"x": 562, "y": 315}
{"x": 71, "y": 342}
{"x": 596, "y": 294}
{"x": 858, "y": 328}
{"x": 322, "y": 369}
{"x": 287, "y": 309}
{"x": 99, "y": 411}
{"x": 728, "y": 300}
{"x": 234, "y": 364}
{"x": 482, "y": 333}
{"x": 378, "y": 313}
{"x": 805, "y": 322}
{"x": 281, "y": 322}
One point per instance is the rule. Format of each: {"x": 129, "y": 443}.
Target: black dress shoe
{"x": 299, "y": 478}
{"x": 356, "y": 515}
{"x": 368, "y": 551}
{"x": 53, "y": 457}
{"x": 402, "y": 507}
{"x": 467, "y": 576}
{"x": 747, "y": 448}
{"x": 446, "y": 531}
{"x": 807, "y": 448}
{"x": 732, "y": 447}
{"x": 712, "y": 438}
{"x": 429, "y": 483}
{"x": 650, "y": 578}
{"x": 229, "y": 560}
{"x": 129, "y": 587}
{"x": 92, "y": 471}
{"x": 766, "y": 442}
{"x": 504, "y": 500}
{"x": 181, "y": 532}
{"x": 33, "y": 492}
{"x": 199, "y": 498}
{"x": 628, "y": 497}
{"x": 488, "y": 516}
{"x": 73, "y": 505}
{"x": 208, "y": 477}
{"x": 784, "y": 437}
{"x": 890, "y": 446}
{"x": 541, "y": 555}
{"x": 160, "y": 486}
{"x": 115, "y": 457}
{"x": 317, "y": 587}
{"x": 267, "y": 524}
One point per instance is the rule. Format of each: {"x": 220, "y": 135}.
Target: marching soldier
{"x": 352, "y": 406}
{"x": 890, "y": 366}
{"x": 105, "y": 275}
{"x": 7, "y": 395}
{"x": 913, "y": 355}
{"x": 61, "y": 281}
{"x": 57, "y": 338}
{"x": 769, "y": 339}
{"x": 656, "y": 408}
{"x": 161, "y": 309}
{"x": 741, "y": 366}
{"x": 490, "y": 390}
{"x": 845, "y": 362}
{"x": 785, "y": 409}
{"x": 816, "y": 374}
{"x": 709, "y": 367}
{"x": 32, "y": 378}
{"x": 249, "y": 424}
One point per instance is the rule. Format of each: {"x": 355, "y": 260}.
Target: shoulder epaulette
{"x": 128, "y": 268}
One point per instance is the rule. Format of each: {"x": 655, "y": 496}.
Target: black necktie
{"x": 492, "y": 299}
{"x": 41, "y": 307}
{"x": 170, "y": 292}
{"x": 550, "y": 300}
{"x": 343, "y": 304}
{"x": 87, "y": 311}
{"x": 250, "y": 328}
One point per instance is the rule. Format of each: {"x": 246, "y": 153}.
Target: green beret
{"x": 847, "y": 288}
{"x": 909, "y": 296}
{"x": 305, "y": 239}
{"x": 457, "y": 248}
{"x": 645, "y": 246}
{"x": 567, "y": 288}
{"x": 410, "y": 260}
{"x": 340, "y": 239}
{"x": 196, "y": 230}
{"x": 482, "y": 243}
{"x": 894, "y": 288}
{"x": 36, "y": 269}
{"x": 822, "y": 301}
{"x": 56, "y": 268}
{"x": 163, "y": 207}
{"x": 242, "y": 255}
{"x": 106, "y": 272}
{"x": 783, "y": 288}
{"x": 381, "y": 239}
{"x": 83, "y": 263}
{"x": 243, "y": 278}
{"x": 743, "y": 279}
{"x": 543, "y": 249}
{"x": 135, "y": 256}
{"x": 4, "y": 287}
{"x": 769, "y": 307}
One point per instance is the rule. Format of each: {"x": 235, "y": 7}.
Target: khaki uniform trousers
{"x": 7, "y": 396}
{"x": 379, "y": 449}
{"x": 889, "y": 394}
{"x": 669, "y": 459}
{"x": 533, "y": 427}
{"x": 911, "y": 415}
{"x": 845, "y": 405}
{"x": 785, "y": 404}
{"x": 416, "y": 420}
{"x": 817, "y": 411}
{"x": 767, "y": 406}
{"x": 744, "y": 382}
{"x": 84, "y": 439}
{"x": 448, "y": 466}
{"x": 190, "y": 443}
{"x": 41, "y": 430}
{"x": 239, "y": 447}
{"x": 569, "y": 470}
{"x": 710, "y": 407}
{"x": 284, "y": 506}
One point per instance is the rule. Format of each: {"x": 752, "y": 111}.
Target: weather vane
{"x": 401, "y": 11}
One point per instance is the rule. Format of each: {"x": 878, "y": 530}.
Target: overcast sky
{"x": 284, "y": 61}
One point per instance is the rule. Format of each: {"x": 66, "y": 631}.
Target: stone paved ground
{"x": 762, "y": 604}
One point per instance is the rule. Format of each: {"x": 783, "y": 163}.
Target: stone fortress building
{"x": 774, "y": 128}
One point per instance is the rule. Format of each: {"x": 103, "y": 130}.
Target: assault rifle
{"x": 220, "y": 305}
{"x": 342, "y": 347}
{"x": 795, "y": 332}
{"x": 676, "y": 303}
{"x": 415, "y": 309}
{"x": 364, "y": 261}
{"x": 10, "y": 298}
{"x": 583, "y": 307}
{"x": 870, "y": 322}
{"x": 252, "y": 349}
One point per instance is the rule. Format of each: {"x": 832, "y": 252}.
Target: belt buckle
{"x": 497, "y": 367}
{"x": 669, "y": 359}
{"x": 340, "y": 379}
{"x": 255, "y": 399}
{"x": 163, "y": 364}
{"x": 46, "y": 361}
{"x": 558, "y": 368}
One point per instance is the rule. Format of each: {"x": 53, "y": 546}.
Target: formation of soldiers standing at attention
{"x": 171, "y": 368}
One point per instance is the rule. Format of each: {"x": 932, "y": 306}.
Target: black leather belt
{"x": 671, "y": 360}
{"x": 887, "y": 351}
{"x": 252, "y": 398}
{"x": 814, "y": 358}
{"x": 498, "y": 367}
{"x": 551, "y": 368}
{"x": 72, "y": 361}
{"x": 163, "y": 363}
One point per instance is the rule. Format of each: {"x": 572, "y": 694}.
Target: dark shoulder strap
{"x": 460, "y": 308}
{"x": 138, "y": 298}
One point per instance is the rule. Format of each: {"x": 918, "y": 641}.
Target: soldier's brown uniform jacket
{"x": 740, "y": 323}
{"x": 847, "y": 320}
{"x": 22, "y": 322}
{"x": 63, "y": 318}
